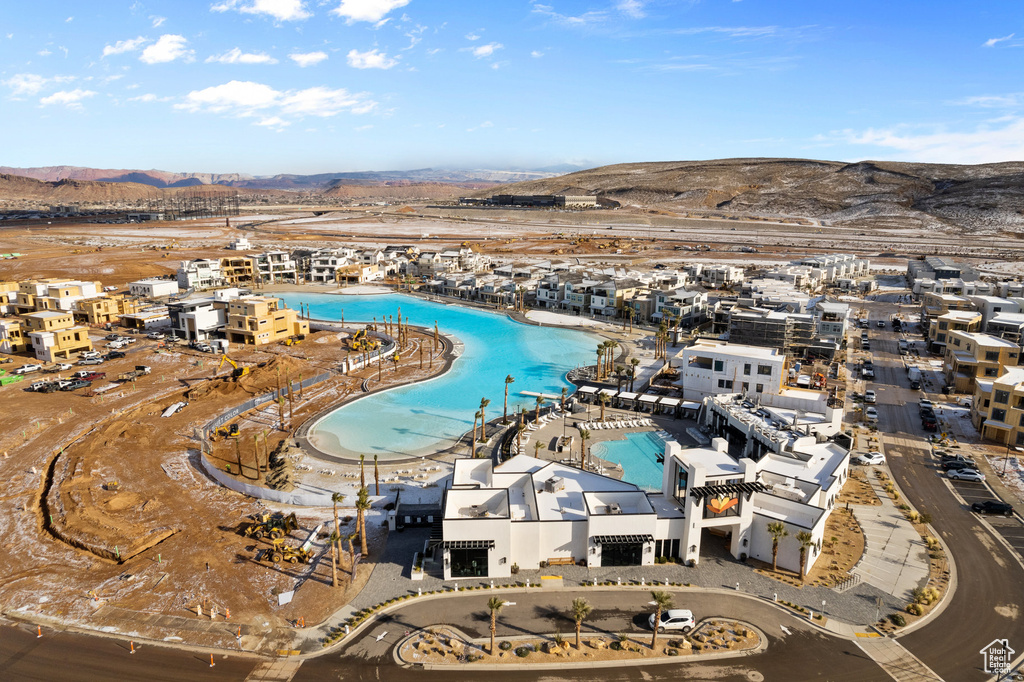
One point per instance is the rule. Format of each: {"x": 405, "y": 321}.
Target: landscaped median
{"x": 445, "y": 647}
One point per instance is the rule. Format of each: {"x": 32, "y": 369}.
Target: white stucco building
{"x": 711, "y": 367}
{"x": 153, "y": 288}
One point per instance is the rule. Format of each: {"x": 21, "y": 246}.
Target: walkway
{"x": 895, "y": 557}
{"x": 900, "y": 664}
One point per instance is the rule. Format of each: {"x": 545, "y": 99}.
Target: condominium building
{"x": 236, "y": 270}
{"x": 972, "y": 355}
{"x": 98, "y": 310}
{"x": 153, "y": 288}
{"x": 940, "y": 327}
{"x": 8, "y": 296}
{"x": 202, "y": 273}
{"x": 53, "y": 335}
{"x": 794, "y": 333}
{"x": 258, "y": 320}
{"x": 997, "y": 410}
{"x": 710, "y": 367}
{"x": 52, "y": 294}
{"x": 275, "y": 267}
{"x": 197, "y": 319}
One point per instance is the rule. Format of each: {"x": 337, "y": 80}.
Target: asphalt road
{"x": 806, "y": 654}
{"x": 989, "y": 596}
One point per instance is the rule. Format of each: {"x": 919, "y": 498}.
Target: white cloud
{"x": 485, "y": 124}
{"x": 986, "y": 144}
{"x": 236, "y": 56}
{"x": 31, "y": 83}
{"x": 585, "y": 19}
{"x": 168, "y": 48}
{"x": 415, "y": 35}
{"x": 434, "y": 50}
{"x": 371, "y": 59}
{"x": 274, "y": 122}
{"x": 366, "y": 10}
{"x": 472, "y": 36}
{"x": 44, "y": 53}
{"x": 362, "y": 128}
{"x": 631, "y": 8}
{"x": 149, "y": 97}
{"x": 1009, "y": 101}
{"x": 305, "y": 59}
{"x": 485, "y": 50}
{"x": 536, "y": 54}
{"x": 158, "y": 21}
{"x": 281, "y": 10}
{"x": 122, "y": 46}
{"x": 69, "y": 20}
{"x": 992, "y": 42}
{"x": 72, "y": 99}
{"x": 247, "y": 98}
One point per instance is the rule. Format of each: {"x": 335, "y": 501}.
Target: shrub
{"x": 615, "y": 646}
{"x": 897, "y": 619}
{"x": 522, "y": 652}
{"x": 914, "y": 609}
{"x": 505, "y": 646}
{"x": 925, "y": 517}
{"x": 673, "y": 652}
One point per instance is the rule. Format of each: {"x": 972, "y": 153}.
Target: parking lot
{"x": 1010, "y": 528}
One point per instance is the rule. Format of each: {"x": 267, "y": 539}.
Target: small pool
{"x": 638, "y": 455}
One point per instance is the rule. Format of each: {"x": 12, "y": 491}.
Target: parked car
{"x": 27, "y": 369}
{"x": 42, "y": 387}
{"x": 91, "y": 361}
{"x": 880, "y": 324}
{"x": 955, "y": 457}
{"x": 869, "y": 396}
{"x": 868, "y": 373}
{"x": 869, "y": 458}
{"x": 930, "y": 426}
{"x": 156, "y": 336}
{"x": 114, "y": 354}
{"x": 992, "y": 507}
{"x": 74, "y": 385}
{"x": 673, "y": 619}
{"x": 84, "y": 355}
{"x": 872, "y": 414}
{"x": 59, "y": 367}
{"x": 112, "y": 337}
{"x": 956, "y": 465}
{"x": 116, "y": 344}
{"x": 127, "y": 339}
{"x": 924, "y": 402}
{"x": 93, "y": 376}
{"x": 966, "y": 475}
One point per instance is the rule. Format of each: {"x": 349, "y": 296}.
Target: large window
{"x": 998, "y": 415}
{"x": 719, "y": 365}
{"x": 992, "y": 356}
{"x": 469, "y": 563}
{"x": 622, "y": 553}
{"x": 1001, "y": 397}
{"x": 746, "y": 369}
{"x": 764, "y": 370}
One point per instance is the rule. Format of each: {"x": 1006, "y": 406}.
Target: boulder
{"x": 457, "y": 646}
{"x": 597, "y": 643}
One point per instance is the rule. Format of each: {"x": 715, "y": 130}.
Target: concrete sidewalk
{"x": 895, "y": 556}
{"x": 895, "y": 660}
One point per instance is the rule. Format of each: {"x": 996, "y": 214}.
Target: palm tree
{"x": 584, "y": 435}
{"x": 336, "y": 499}
{"x": 662, "y": 602}
{"x": 376, "y": 477}
{"x": 536, "y": 448}
{"x": 362, "y": 471}
{"x": 579, "y": 611}
{"x": 362, "y": 506}
{"x": 635, "y": 362}
{"x": 620, "y": 375}
{"x": 630, "y": 313}
{"x": 603, "y": 400}
{"x": 536, "y": 412}
{"x": 494, "y": 604}
{"x": 600, "y": 360}
{"x": 504, "y": 412}
{"x": 351, "y": 538}
{"x": 777, "y": 529}
{"x": 806, "y": 540}
{"x": 561, "y": 400}
{"x": 484, "y": 402}
{"x": 472, "y": 447}
{"x": 334, "y": 539}
{"x": 612, "y": 345}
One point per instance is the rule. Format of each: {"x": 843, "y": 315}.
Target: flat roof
{"x": 46, "y": 314}
{"x": 715, "y": 462}
{"x": 735, "y": 349}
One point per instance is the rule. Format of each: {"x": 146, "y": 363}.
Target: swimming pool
{"x": 423, "y": 418}
{"x": 638, "y": 455}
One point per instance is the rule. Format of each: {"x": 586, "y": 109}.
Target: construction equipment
{"x": 294, "y": 340}
{"x": 227, "y": 431}
{"x": 140, "y": 370}
{"x": 819, "y": 381}
{"x": 363, "y": 341}
{"x": 275, "y": 525}
{"x": 239, "y": 371}
{"x": 282, "y": 552}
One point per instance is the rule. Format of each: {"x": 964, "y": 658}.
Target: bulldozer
{"x": 275, "y": 525}
{"x": 282, "y": 552}
{"x": 362, "y": 341}
{"x": 238, "y": 371}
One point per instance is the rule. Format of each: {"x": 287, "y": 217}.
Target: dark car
{"x": 74, "y": 385}
{"x": 94, "y": 376}
{"x": 992, "y": 507}
{"x": 114, "y": 354}
{"x": 930, "y": 426}
{"x": 956, "y": 465}
{"x": 955, "y": 457}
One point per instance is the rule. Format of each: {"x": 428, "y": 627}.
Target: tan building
{"x": 54, "y": 336}
{"x": 52, "y": 294}
{"x": 971, "y": 356}
{"x": 998, "y": 408}
{"x": 236, "y": 270}
{"x": 953, "y": 321}
{"x": 258, "y": 320}
{"x": 357, "y": 273}
{"x": 8, "y": 296}
{"x": 99, "y": 310}
{"x": 13, "y": 336}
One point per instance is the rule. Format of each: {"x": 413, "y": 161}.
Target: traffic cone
{"x": 39, "y": 631}
{"x": 211, "y": 661}
{"x": 132, "y": 650}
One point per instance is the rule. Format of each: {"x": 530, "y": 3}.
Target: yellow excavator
{"x": 363, "y": 341}
{"x": 238, "y": 370}
{"x": 289, "y": 553}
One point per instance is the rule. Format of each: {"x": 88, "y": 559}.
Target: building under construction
{"x": 791, "y": 332}
{"x": 190, "y": 204}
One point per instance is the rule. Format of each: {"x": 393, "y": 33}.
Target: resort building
{"x": 235, "y": 270}
{"x": 325, "y": 264}
{"x": 197, "y": 319}
{"x": 202, "y": 273}
{"x": 275, "y": 267}
{"x": 153, "y": 288}
{"x": 971, "y": 355}
{"x": 710, "y": 367}
{"x": 997, "y": 410}
{"x": 258, "y": 320}
{"x": 792, "y": 333}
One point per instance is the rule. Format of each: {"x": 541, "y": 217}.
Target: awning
{"x": 647, "y": 398}
{"x": 689, "y": 405}
{"x": 621, "y": 539}
{"x": 611, "y": 392}
{"x": 626, "y": 395}
{"x": 468, "y": 544}
{"x": 671, "y": 402}
{"x": 748, "y": 489}
{"x": 588, "y": 389}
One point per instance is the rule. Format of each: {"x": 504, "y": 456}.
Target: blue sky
{"x": 306, "y": 86}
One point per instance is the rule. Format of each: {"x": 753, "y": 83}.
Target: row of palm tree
{"x": 777, "y": 529}
{"x": 579, "y": 611}
{"x": 606, "y": 358}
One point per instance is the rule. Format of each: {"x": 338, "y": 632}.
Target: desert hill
{"x": 17, "y": 188}
{"x": 869, "y": 193}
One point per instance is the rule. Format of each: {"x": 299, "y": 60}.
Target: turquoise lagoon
{"x": 421, "y": 419}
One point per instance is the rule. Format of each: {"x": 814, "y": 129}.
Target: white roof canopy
{"x": 647, "y": 398}
{"x": 588, "y": 389}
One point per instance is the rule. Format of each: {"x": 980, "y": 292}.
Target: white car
{"x": 116, "y": 344}
{"x": 966, "y": 475}
{"x": 871, "y": 414}
{"x": 869, "y": 396}
{"x": 870, "y": 458}
{"x": 674, "y": 619}
{"x": 85, "y": 355}
{"x": 26, "y": 369}
{"x": 156, "y": 336}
